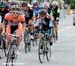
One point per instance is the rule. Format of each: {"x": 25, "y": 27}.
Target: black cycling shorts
{"x": 13, "y": 28}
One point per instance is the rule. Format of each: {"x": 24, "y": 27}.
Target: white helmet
{"x": 55, "y": 3}
{"x": 46, "y": 4}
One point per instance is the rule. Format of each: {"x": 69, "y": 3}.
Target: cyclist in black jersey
{"x": 43, "y": 23}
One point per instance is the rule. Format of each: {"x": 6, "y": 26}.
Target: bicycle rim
{"x": 41, "y": 53}
{"x": 26, "y": 40}
{"x": 8, "y": 59}
{"x": 4, "y": 47}
{"x": 12, "y": 63}
{"x": 48, "y": 53}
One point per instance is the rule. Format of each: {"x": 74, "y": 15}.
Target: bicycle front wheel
{"x": 41, "y": 53}
{"x": 48, "y": 51}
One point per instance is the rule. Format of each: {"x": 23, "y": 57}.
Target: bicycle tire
{"x": 39, "y": 54}
{"x": 8, "y": 58}
{"x": 26, "y": 41}
{"x": 2, "y": 42}
{"x": 4, "y": 47}
{"x": 9, "y": 55}
{"x": 48, "y": 53}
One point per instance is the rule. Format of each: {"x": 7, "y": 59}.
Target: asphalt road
{"x": 63, "y": 51}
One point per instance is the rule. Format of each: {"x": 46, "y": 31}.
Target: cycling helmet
{"x": 13, "y": 3}
{"x": 43, "y": 11}
{"x": 15, "y": 8}
{"x": 2, "y": 5}
{"x": 35, "y": 3}
{"x": 46, "y": 4}
{"x": 24, "y": 3}
{"x": 55, "y": 3}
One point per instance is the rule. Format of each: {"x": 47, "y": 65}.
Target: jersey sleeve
{"x": 7, "y": 17}
{"x": 21, "y": 18}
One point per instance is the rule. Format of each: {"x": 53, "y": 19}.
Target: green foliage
{"x": 71, "y": 3}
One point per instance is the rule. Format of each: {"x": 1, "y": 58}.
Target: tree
{"x": 71, "y": 3}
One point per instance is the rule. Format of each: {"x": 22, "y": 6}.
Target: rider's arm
{"x": 7, "y": 17}
{"x": 22, "y": 20}
{"x": 4, "y": 26}
{"x": 24, "y": 26}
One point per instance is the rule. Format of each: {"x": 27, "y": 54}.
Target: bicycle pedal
{"x": 13, "y": 57}
{"x": 41, "y": 47}
{"x": 29, "y": 43}
{"x": 46, "y": 51}
{"x": 51, "y": 43}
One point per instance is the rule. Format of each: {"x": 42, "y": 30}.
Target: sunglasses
{"x": 15, "y": 12}
{"x": 42, "y": 15}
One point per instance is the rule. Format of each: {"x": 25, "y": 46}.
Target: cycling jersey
{"x": 2, "y": 13}
{"x": 14, "y": 24}
{"x": 28, "y": 15}
{"x": 45, "y": 23}
{"x": 55, "y": 13}
{"x": 14, "y": 21}
{"x": 36, "y": 11}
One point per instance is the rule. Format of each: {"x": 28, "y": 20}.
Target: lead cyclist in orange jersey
{"x": 15, "y": 23}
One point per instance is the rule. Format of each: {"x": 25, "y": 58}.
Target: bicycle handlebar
{"x": 13, "y": 35}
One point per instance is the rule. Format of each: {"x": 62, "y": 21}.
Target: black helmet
{"x": 24, "y": 3}
{"x": 43, "y": 11}
{"x": 2, "y": 5}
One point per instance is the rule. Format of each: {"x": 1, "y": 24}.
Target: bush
{"x": 72, "y": 5}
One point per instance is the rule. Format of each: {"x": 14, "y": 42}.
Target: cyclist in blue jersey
{"x": 36, "y": 9}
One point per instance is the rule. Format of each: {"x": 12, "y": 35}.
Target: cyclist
{"x": 14, "y": 21}
{"x": 36, "y": 9}
{"x": 28, "y": 14}
{"x": 3, "y": 10}
{"x": 46, "y": 7}
{"x": 56, "y": 13}
{"x": 44, "y": 22}
{"x": 0, "y": 34}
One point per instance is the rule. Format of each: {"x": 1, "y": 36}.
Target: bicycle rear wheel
{"x": 27, "y": 42}
{"x": 11, "y": 56}
{"x": 8, "y": 60}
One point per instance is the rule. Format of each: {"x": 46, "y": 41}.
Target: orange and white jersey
{"x": 11, "y": 20}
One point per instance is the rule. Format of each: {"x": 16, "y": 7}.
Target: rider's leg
{"x": 56, "y": 29}
{"x": 31, "y": 27}
{"x": 8, "y": 31}
{"x": 19, "y": 32}
{"x": 56, "y": 26}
